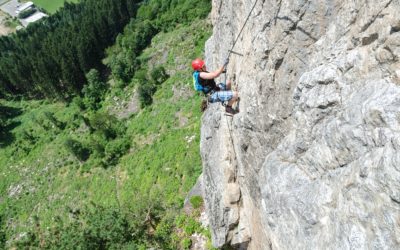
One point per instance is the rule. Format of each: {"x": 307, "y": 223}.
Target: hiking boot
{"x": 237, "y": 105}
{"x": 230, "y": 110}
{"x": 204, "y": 105}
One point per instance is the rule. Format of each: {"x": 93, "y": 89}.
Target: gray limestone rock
{"x": 312, "y": 161}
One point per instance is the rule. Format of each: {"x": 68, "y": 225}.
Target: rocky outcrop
{"x": 312, "y": 161}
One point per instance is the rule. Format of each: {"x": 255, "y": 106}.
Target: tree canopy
{"x": 51, "y": 58}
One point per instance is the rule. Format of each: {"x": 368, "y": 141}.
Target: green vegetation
{"x": 11, "y": 22}
{"x": 59, "y": 51}
{"x": 77, "y": 149}
{"x": 96, "y": 227}
{"x": 2, "y": 233}
{"x": 196, "y": 201}
{"x": 94, "y": 90}
{"x": 52, "y": 6}
{"x": 51, "y": 58}
{"x": 77, "y": 175}
{"x": 26, "y": 13}
{"x": 188, "y": 225}
{"x": 149, "y": 84}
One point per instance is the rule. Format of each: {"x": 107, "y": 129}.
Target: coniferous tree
{"x": 50, "y": 58}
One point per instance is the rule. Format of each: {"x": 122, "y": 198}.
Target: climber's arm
{"x": 212, "y": 75}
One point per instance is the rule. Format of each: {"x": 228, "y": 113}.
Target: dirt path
{"x": 3, "y": 29}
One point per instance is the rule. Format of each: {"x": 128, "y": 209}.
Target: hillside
{"x": 111, "y": 168}
{"x": 312, "y": 159}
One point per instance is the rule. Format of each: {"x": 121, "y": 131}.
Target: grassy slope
{"x": 47, "y": 182}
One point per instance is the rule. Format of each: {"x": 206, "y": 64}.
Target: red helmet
{"x": 197, "y": 64}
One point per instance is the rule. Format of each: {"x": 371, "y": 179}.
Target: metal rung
{"x": 234, "y": 52}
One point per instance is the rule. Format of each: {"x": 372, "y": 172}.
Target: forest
{"x": 49, "y": 59}
{"x": 76, "y": 172}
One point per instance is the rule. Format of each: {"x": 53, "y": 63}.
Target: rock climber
{"x": 204, "y": 81}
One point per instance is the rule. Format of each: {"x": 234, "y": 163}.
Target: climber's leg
{"x": 235, "y": 96}
{"x": 228, "y": 85}
{"x": 225, "y": 86}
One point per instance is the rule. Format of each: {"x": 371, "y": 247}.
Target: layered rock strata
{"x": 312, "y": 161}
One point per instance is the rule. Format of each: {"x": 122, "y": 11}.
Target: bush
{"x": 123, "y": 61}
{"x": 147, "y": 87}
{"x": 106, "y": 124}
{"x": 159, "y": 75}
{"x": 94, "y": 228}
{"x": 163, "y": 233}
{"x": 191, "y": 226}
{"x": 26, "y": 140}
{"x": 186, "y": 243}
{"x": 54, "y": 121}
{"x": 146, "y": 91}
{"x": 141, "y": 76}
{"x": 78, "y": 102}
{"x": 188, "y": 224}
{"x": 28, "y": 136}
{"x": 94, "y": 91}
{"x": 77, "y": 149}
{"x": 115, "y": 150}
{"x": 26, "y": 13}
{"x": 196, "y": 201}
{"x": 97, "y": 147}
{"x": 107, "y": 228}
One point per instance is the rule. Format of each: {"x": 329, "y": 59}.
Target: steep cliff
{"x": 312, "y": 161}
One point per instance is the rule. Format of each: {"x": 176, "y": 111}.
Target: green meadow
{"x": 52, "y": 5}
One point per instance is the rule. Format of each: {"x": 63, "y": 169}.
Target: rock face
{"x": 312, "y": 161}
